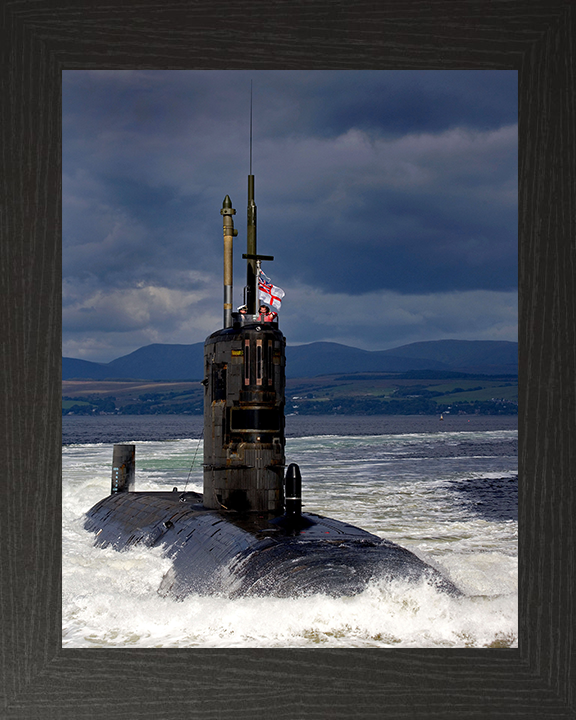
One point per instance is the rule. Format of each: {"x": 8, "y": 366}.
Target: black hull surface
{"x": 213, "y": 552}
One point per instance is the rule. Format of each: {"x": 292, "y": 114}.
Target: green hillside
{"x": 359, "y": 393}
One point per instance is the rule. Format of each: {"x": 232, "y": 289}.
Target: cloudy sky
{"x": 388, "y": 199}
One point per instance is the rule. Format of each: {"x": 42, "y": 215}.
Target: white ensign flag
{"x": 268, "y": 293}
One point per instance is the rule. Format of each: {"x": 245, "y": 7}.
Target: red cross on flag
{"x": 268, "y": 293}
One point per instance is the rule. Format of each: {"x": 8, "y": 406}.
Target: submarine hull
{"x": 254, "y": 554}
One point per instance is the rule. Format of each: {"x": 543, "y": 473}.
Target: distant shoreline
{"x": 357, "y": 394}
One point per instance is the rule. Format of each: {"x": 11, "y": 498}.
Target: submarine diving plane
{"x": 246, "y": 534}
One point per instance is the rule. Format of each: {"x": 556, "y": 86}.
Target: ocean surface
{"x": 446, "y": 490}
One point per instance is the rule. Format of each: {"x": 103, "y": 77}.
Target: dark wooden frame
{"x": 39, "y": 39}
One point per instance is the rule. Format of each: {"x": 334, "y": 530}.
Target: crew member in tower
{"x": 267, "y": 315}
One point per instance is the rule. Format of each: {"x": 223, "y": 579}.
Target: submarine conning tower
{"x": 244, "y": 385}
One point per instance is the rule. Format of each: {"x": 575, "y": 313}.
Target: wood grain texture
{"x": 39, "y": 679}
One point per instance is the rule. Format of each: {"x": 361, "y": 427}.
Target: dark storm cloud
{"x": 408, "y": 244}
{"x": 395, "y": 103}
{"x": 369, "y": 184}
{"x": 423, "y": 213}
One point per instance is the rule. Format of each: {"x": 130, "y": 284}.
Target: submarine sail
{"x": 244, "y": 382}
{"x": 246, "y": 534}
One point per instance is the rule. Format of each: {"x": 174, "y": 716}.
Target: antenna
{"x": 251, "y": 276}
{"x": 251, "y": 256}
{"x": 250, "y": 127}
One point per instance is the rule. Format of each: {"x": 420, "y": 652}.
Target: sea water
{"x": 446, "y": 490}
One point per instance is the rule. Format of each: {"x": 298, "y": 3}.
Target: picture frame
{"x": 42, "y": 680}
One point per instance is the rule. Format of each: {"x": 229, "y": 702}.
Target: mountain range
{"x": 186, "y": 362}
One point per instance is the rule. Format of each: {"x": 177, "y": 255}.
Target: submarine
{"x": 246, "y": 534}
